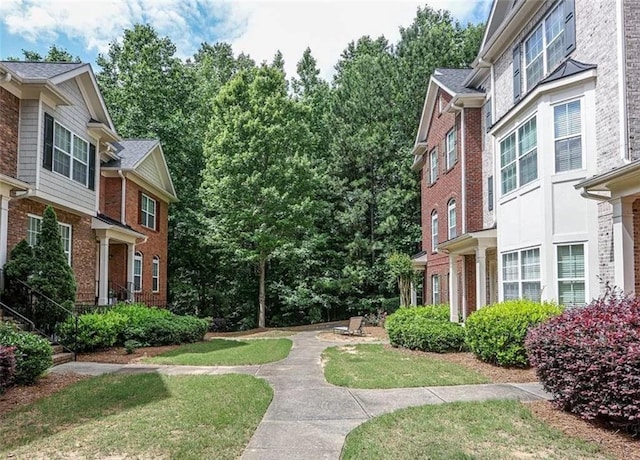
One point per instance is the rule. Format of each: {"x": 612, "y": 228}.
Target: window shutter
{"x": 569, "y": 26}
{"x": 443, "y": 149}
{"x": 140, "y": 207}
{"x": 516, "y": 73}
{"x": 490, "y": 192}
{"x": 157, "y": 216}
{"x": 47, "y": 153}
{"x": 92, "y": 167}
{"x": 487, "y": 116}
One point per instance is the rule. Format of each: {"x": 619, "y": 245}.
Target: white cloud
{"x": 256, "y": 27}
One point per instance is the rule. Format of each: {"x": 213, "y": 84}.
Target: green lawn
{"x": 493, "y": 430}
{"x": 140, "y": 416}
{"x": 222, "y": 352}
{"x": 373, "y": 366}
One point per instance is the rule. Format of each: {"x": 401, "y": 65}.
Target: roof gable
{"x": 499, "y": 12}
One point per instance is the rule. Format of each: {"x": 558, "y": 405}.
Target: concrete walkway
{"x": 309, "y": 418}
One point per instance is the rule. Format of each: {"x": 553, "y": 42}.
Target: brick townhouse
{"x": 58, "y": 147}
{"x": 560, "y": 161}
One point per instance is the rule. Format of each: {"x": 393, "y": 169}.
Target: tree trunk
{"x": 262, "y": 298}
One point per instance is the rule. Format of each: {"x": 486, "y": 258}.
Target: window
{"x": 571, "y": 277}
{"x": 451, "y": 149}
{"x": 148, "y": 212}
{"x": 519, "y": 157}
{"x": 545, "y": 47}
{"x": 521, "y": 275}
{"x": 70, "y": 155}
{"x": 435, "y": 289}
{"x": 155, "y": 275}
{"x": 452, "y": 219}
{"x": 34, "y": 227}
{"x": 567, "y": 127}
{"x": 434, "y": 230}
{"x": 433, "y": 166}
{"x": 137, "y": 272}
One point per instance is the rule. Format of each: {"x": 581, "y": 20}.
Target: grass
{"x": 140, "y": 416}
{"x": 492, "y": 430}
{"x": 373, "y": 366}
{"x": 221, "y": 352}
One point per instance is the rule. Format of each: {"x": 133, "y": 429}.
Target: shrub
{"x": 218, "y": 325}
{"x": 589, "y": 359}
{"x": 496, "y": 333}
{"x": 7, "y": 367}
{"x": 33, "y": 353}
{"x": 131, "y": 346}
{"x": 425, "y": 328}
{"x": 95, "y": 330}
{"x": 167, "y": 331}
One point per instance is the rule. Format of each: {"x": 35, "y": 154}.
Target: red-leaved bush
{"x": 589, "y": 359}
{"x": 7, "y": 367}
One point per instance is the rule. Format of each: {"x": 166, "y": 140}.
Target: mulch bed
{"x": 45, "y": 386}
{"x": 120, "y": 356}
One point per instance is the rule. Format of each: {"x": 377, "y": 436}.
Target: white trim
{"x": 622, "y": 82}
{"x": 581, "y": 134}
{"x": 143, "y": 212}
{"x": 435, "y": 282}
{"x": 434, "y": 214}
{"x": 155, "y": 279}
{"x": 585, "y": 262}
{"x": 137, "y": 256}
{"x": 60, "y": 224}
{"x": 451, "y": 207}
{"x": 71, "y": 154}
{"x": 463, "y": 207}
{"x": 70, "y": 227}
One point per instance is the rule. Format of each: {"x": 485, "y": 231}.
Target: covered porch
{"x": 115, "y": 259}
{"x": 419, "y": 262}
{"x": 477, "y": 286}
{"x": 621, "y": 188}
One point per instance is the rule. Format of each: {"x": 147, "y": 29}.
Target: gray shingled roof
{"x": 568, "y": 68}
{"x": 453, "y": 79}
{"x": 40, "y": 70}
{"x": 130, "y": 152}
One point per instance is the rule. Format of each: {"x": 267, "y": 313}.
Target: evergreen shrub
{"x": 496, "y": 333}
{"x": 425, "y": 328}
{"x": 7, "y": 367}
{"x": 33, "y": 354}
{"x": 589, "y": 359}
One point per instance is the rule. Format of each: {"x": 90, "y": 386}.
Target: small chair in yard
{"x": 354, "y": 327}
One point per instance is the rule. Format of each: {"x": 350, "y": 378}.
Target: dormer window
{"x": 544, "y": 49}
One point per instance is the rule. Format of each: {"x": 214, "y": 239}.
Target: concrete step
{"x": 57, "y": 349}
{"x": 61, "y": 358}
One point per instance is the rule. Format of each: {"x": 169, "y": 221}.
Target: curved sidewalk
{"x": 310, "y": 418}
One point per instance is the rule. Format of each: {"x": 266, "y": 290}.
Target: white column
{"x": 463, "y": 288}
{"x": 4, "y": 227}
{"x": 481, "y": 277}
{"x": 454, "y": 311}
{"x": 131, "y": 251}
{"x": 103, "y": 290}
{"x": 623, "y": 255}
{"x": 414, "y": 295}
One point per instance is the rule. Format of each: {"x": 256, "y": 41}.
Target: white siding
{"x": 28, "y": 156}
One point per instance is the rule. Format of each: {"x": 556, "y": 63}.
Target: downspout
{"x": 622, "y": 84}
{"x": 123, "y": 198}
{"x": 463, "y": 206}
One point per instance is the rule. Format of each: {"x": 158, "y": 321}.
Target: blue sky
{"x": 257, "y": 27}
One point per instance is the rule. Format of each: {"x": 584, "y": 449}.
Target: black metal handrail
{"x": 23, "y": 319}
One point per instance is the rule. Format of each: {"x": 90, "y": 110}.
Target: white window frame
{"x": 435, "y": 290}
{"x": 148, "y": 215}
{"x": 451, "y": 154}
{"x": 137, "y": 257}
{"x": 32, "y": 234}
{"x": 452, "y": 219}
{"x": 569, "y": 136}
{"x": 577, "y": 279}
{"x": 519, "y": 279}
{"x": 543, "y": 54}
{"x": 155, "y": 274}
{"x": 519, "y": 156}
{"x": 73, "y": 159}
{"x": 433, "y": 166}
{"x": 434, "y": 230}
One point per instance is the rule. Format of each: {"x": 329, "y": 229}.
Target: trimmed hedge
{"x": 136, "y": 322}
{"x": 7, "y": 367}
{"x": 496, "y": 333}
{"x": 589, "y": 359}
{"x": 425, "y": 328}
{"x": 33, "y": 354}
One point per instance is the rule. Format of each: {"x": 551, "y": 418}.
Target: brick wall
{"x": 9, "y": 116}
{"x": 473, "y": 169}
{"x": 111, "y": 196}
{"x": 632, "y": 61}
{"x": 470, "y": 285}
{"x": 156, "y": 244}
{"x": 83, "y": 252}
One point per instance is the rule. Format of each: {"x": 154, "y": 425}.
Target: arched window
{"x": 155, "y": 274}
{"x": 137, "y": 272}
{"x": 434, "y": 230}
{"x": 452, "y": 219}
